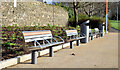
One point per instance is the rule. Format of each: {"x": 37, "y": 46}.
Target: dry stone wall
{"x": 33, "y": 13}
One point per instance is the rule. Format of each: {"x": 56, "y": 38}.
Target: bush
{"x": 94, "y": 21}
{"x": 70, "y": 14}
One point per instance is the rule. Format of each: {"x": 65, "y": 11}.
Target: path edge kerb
{"x": 23, "y": 58}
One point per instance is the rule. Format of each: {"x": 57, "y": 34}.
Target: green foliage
{"x": 115, "y": 24}
{"x": 93, "y": 30}
{"x": 8, "y": 44}
{"x": 94, "y": 21}
{"x": 70, "y": 12}
{"x": 3, "y": 25}
{"x": 9, "y": 28}
{"x": 4, "y": 35}
{"x": 4, "y": 38}
{"x": 12, "y": 37}
{"x": 80, "y": 17}
{"x": 20, "y": 37}
{"x": 58, "y": 4}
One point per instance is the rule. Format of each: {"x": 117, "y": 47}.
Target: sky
{"x": 48, "y": 1}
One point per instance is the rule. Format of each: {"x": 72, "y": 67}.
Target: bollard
{"x": 71, "y": 45}
{"x": 91, "y": 37}
{"x": 34, "y": 57}
{"x": 51, "y": 52}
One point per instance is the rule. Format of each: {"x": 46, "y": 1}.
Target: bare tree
{"x": 92, "y": 8}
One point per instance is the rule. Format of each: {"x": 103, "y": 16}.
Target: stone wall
{"x": 33, "y": 13}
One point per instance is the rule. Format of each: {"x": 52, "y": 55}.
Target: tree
{"x": 92, "y": 8}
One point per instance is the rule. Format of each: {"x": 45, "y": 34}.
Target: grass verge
{"x": 115, "y": 24}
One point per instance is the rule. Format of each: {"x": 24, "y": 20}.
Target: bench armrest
{"x": 59, "y": 37}
{"x": 47, "y": 41}
{"x": 37, "y": 43}
{"x": 82, "y": 34}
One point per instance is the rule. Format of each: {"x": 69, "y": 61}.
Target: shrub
{"x": 94, "y": 21}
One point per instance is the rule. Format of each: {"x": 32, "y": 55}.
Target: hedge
{"x": 94, "y": 21}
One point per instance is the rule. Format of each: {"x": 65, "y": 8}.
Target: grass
{"x": 115, "y": 24}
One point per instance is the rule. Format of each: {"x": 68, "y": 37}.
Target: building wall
{"x": 33, "y": 13}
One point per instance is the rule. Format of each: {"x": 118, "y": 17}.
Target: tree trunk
{"x": 75, "y": 16}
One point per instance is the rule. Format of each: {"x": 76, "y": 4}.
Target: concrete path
{"x": 98, "y": 53}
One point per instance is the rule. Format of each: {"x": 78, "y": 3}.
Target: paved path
{"x": 98, "y": 53}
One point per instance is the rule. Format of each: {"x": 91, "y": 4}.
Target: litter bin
{"x": 84, "y": 29}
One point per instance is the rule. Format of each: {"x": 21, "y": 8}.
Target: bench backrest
{"x": 71, "y": 32}
{"x": 96, "y": 29}
{"x": 30, "y": 36}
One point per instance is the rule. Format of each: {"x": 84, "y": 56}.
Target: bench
{"x": 91, "y": 34}
{"x": 72, "y": 35}
{"x": 101, "y": 33}
{"x": 96, "y": 32}
{"x": 48, "y": 41}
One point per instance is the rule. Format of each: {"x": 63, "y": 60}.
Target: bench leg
{"x": 71, "y": 45}
{"x": 77, "y": 42}
{"x": 91, "y": 37}
{"x": 51, "y": 52}
{"x": 101, "y": 35}
{"x": 34, "y": 57}
{"x": 97, "y": 36}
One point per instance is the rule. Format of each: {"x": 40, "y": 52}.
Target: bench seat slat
{"x": 29, "y": 33}
{"x": 44, "y": 46}
{"x": 30, "y": 40}
{"x": 71, "y": 32}
{"x": 35, "y": 36}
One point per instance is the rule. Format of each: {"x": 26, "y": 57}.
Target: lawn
{"x": 115, "y": 24}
